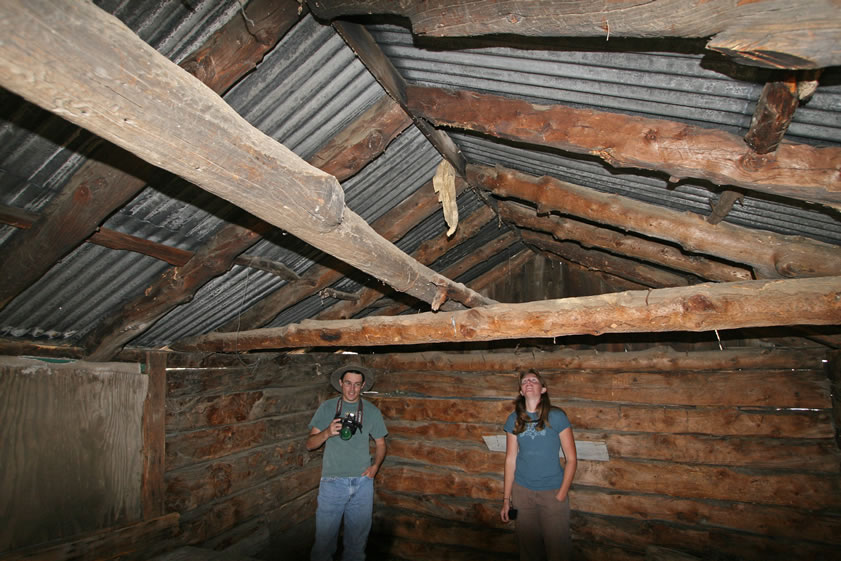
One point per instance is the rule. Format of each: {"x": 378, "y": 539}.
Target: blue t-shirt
{"x": 538, "y": 455}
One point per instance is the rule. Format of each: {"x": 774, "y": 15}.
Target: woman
{"x": 536, "y": 484}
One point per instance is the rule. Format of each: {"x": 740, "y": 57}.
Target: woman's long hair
{"x": 543, "y": 406}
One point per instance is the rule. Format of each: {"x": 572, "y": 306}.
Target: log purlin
{"x": 719, "y": 461}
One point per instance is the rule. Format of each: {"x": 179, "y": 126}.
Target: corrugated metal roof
{"x": 309, "y": 88}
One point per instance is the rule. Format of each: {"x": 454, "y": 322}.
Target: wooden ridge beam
{"x": 111, "y": 177}
{"x": 771, "y": 255}
{"x": 566, "y": 229}
{"x": 798, "y": 171}
{"x": 703, "y": 307}
{"x": 770, "y": 33}
{"x": 128, "y": 99}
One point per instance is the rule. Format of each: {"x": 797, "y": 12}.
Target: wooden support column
{"x": 154, "y": 438}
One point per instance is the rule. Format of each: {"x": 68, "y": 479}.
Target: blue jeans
{"x": 352, "y": 497}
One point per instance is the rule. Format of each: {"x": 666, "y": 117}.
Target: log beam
{"x": 677, "y": 149}
{"x": 427, "y": 253}
{"x": 47, "y": 59}
{"x": 771, "y": 255}
{"x": 628, "y": 269}
{"x": 392, "y": 225}
{"x": 770, "y": 33}
{"x": 704, "y": 307}
{"x": 98, "y": 188}
{"x": 566, "y": 229}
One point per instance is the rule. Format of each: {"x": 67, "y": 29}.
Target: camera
{"x": 349, "y": 426}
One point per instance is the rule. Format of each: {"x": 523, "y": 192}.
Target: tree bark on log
{"x": 704, "y": 307}
{"x": 771, "y": 255}
{"x": 145, "y": 103}
{"x": 622, "y": 267}
{"x": 771, "y": 33}
{"x": 564, "y": 229}
{"x": 677, "y": 149}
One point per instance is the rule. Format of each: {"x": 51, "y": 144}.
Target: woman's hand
{"x": 561, "y": 495}
{"x": 503, "y": 514}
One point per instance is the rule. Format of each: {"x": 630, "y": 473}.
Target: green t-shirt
{"x": 348, "y": 458}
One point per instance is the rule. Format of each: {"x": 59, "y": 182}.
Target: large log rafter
{"x": 770, "y": 33}
{"x": 677, "y": 149}
{"x": 104, "y": 184}
{"x": 703, "y": 307}
{"x": 148, "y": 105}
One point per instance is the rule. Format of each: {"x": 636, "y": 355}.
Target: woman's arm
{"x": 511, "y": 448}
{"x": 568, "y": 445}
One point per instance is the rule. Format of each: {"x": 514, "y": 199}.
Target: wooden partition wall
{"x": 720, "y": 455}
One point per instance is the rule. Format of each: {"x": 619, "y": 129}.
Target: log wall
{"x": 237, "y": 469}
{"x": 725, "y": 454}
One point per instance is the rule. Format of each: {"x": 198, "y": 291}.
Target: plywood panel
{"x": 71, "y": 441}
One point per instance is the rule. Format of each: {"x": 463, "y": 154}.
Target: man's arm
{"x": 319, "y": 437}
{"x": 379, "y": 456}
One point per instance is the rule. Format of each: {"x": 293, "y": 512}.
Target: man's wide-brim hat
{"x": 336, "y": 376}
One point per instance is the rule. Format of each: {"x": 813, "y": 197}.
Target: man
{"x": 347, "y": 474}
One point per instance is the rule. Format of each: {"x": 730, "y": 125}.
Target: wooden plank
{"x": 703, "y": 307}
{"x": 450, "y": 533}
{"x": 71, "y": 435}
{"x": 563, "y": 229}
{"x": 761, "y": 388}
{"x": 677, "y": 149}
{"x": 196, "y": 446}
{"x": 212, "y": 519}
{"x": 85, "y": 94}
{"x": 785, "y": 522}
{"x": 770, "y": 33}
{"x": 277, "y": 371}
{"x": 770, "y": 255}
{"x": 799, "y": 490}
{"x": 134, "y": 542}
{"x": 653, "y": 359}
{"x": 636, "y": 534}
{"x": 191, "y": 487}
{"x": 721, "y": 421}
{"x": 188, "y": 413}
{"x": 154, "y": 437}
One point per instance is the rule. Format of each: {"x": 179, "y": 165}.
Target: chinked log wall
{"x": 236, "y": 466}
{"x": 729, "y": 454}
